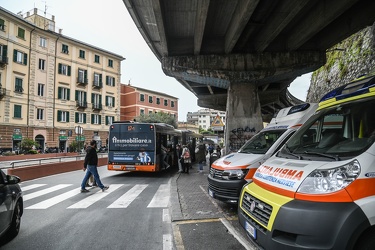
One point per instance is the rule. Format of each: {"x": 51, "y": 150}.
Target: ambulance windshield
{"x": 334, "y": 134}
{"x": 261, "y": 142}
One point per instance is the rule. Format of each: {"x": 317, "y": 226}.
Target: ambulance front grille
{"x": 260, "y": 210}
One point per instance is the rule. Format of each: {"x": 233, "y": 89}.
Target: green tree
{"x": 159, "y": 117}
{"x": 27, "y": 144}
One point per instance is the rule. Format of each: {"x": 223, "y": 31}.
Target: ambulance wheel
{"x": 367, "y": 240}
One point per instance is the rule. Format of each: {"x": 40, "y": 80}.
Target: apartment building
{"x": 205, "y": 117}
{"x": 53, "y": 89}
{"x": 136, "y": 101}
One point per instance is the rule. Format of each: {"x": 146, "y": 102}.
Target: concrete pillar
{"x": 243, "y": 118}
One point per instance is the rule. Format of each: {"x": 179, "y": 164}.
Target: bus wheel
{"x": 367, "y": 240}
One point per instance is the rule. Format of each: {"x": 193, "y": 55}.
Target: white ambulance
{"x": 318, "y": 191}
{"x": 229, "y": 173}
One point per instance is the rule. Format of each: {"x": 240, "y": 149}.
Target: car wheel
{"x": 367, "y": 240}
{"x": 16, "y": 221}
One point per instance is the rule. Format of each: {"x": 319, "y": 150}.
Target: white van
{"x": 229, "y": 173}
{"x": 318, "y": 191}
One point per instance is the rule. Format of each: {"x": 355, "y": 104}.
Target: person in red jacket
{"x": 91, "y": 164}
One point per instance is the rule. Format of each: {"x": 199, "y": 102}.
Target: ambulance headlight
{"x": 330, "y": 180}
{"x": 234, "y": 174}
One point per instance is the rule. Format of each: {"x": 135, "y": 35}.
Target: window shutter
{"x": 5, "y": 50}
{"x": 106, "y": 101}
{"x": 106, "y": 120}
{"x": 92, "y": 98}
{"x": 92, "y": 119}
{"x": 76, "y": 95}
{"x": 85, "y": 97}
{"x": 100, "y": 78}
{"x": 114, "y": 83}
{"x": 77, "y": 115}
{"x": 69, "y": 70}
{"x": 59, "y": 115}
{"x": 25, "y": 59}
{"x": 60, "y": 68}
{"x": 68, "y": 94}
{"x": 14, "y": 55}
{"x": 67, "y": 116}
{"x": 106, "y": 80}
{"x": 113, "y": 99}
{"x": 59, "y": 93}
{"x": 100, "y": 119}
{"x": 84, "y": 118}
{"x": 100, "y": 99}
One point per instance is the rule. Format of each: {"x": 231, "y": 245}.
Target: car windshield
{"x": 261, "y": 142}
{"x": 334, "y": 134}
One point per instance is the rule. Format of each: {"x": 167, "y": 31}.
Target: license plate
{"x": 116, "y": 167}
{"x": 130, "y": 168}
{"x": 210, "y": 192}
{"x": 251, "y": 230}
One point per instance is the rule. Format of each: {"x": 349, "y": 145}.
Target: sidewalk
{"x": 200, "y": 222}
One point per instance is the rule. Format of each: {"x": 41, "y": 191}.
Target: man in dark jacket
{"x": 91, "y": 164}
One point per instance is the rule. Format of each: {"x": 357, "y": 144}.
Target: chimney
{"x": 60, "y": 31}
{"x": 53, "y": 18}
{"x": 35, "y": 11}
{"x": 28, "y": 14}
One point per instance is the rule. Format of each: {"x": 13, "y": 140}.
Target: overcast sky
{"x": 108, "y": 25}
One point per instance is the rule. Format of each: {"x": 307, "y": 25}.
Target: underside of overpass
{"x": 216, "y": 48}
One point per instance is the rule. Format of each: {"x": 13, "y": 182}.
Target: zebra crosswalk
{"x": 126, "y": 194}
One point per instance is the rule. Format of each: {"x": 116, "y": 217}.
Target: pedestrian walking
{"x": 91, "y": 164}
{"x": 185, "y": 159}
{"x": 200, "y": 156}
{"x": 179, "y": 153}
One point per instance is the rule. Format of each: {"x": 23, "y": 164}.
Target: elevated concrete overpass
{"x": 241, "y": 55}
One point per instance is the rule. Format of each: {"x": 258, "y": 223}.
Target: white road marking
{"x": 161, "y": 198}
{"x": 166, "y": 216}
{"x": 55, "y": 200}
{"x": 44, "y": 191}
{"x": 27, "y": 188}
{"x": 167, "y": 242}
{"x": 85, "y": 203}
{"x": 125, "y": 200}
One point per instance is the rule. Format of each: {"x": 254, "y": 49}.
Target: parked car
{"x": 11, "y": 205}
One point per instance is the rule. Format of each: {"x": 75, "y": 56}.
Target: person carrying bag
{"x": 185, "y": 159}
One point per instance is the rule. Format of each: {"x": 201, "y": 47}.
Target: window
{"x": 165, "y": 102}
{"x": 172, "y": 104}
{"x": 142, "y": 97}
{"x": 80, "y": 118}
{"x": 19, "y": 57}
{"x": 97, "y": 79}
{"x": 110, "y": 81}
{"x": 109, "y": 120}
{"x": 64, "y": 69}
{"x": 18, "y": 85}
{"x": 82, "y": 54}
{"x": 63, "y": 93}
{"x": 96, "y": 119}
{"x": 62, "y": 116}
{"x": 17, "y": 111}
{"x": 150, "y": 99}
{"x": 43, "y": 42}
{"x": 3, "y": 53}
{"x": 109, "y": 101}
{"x": 65, "y": 49}
{"x": 2, "y": 25}
{"x": 39, "y": 114}
{"x": 82, "y": 76}
{"x": 96, "y": 100}
{"x": 42, "y": 64}
{"x": 81, "y": 97}
{"x": 158, "y": 100}
{"x": 142, "y": 111}
{"x": 97, "y": 59}
{"x": 40, "y": 89}
{"x": 21, "y": 33}
{"x": 150, "y": 112}
{"x": 110, "y": 63}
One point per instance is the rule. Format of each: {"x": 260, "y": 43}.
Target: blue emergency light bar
{"x": 354, "y": 88}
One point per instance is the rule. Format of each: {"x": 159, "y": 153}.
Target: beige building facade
{"x": 53, "y": 89}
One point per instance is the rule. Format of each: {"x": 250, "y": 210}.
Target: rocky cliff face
{"x": 346, "y": 61}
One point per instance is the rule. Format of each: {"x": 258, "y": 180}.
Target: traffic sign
{"x": 217, "y": 122}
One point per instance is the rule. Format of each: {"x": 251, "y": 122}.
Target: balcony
{"x": 81, "y": 104}
{"x": 2, "y": 92}
{"x": 97, "y": 106}
{"x": 3, "y": 60}
{"x": 82, "y": 80}
{"x": 97, "y": 84}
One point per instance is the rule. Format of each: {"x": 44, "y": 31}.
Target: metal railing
{"x": 41, "y": 161}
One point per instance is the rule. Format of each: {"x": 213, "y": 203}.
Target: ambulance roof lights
{"x": 355, "y": 88}
{"x": 298, "y": 108}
